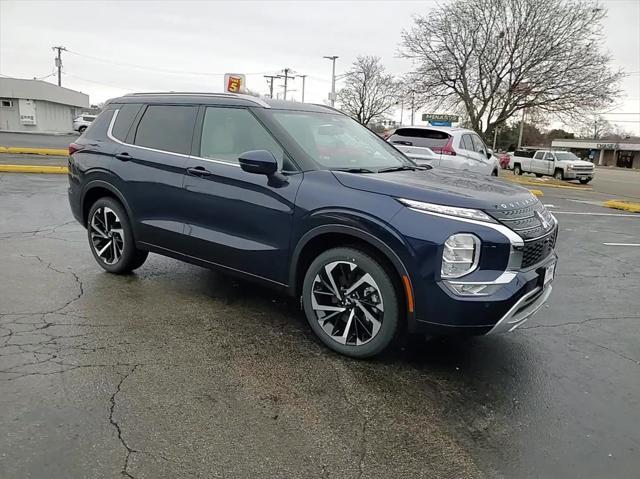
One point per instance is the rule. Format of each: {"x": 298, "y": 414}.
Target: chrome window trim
{"x": 182, "y": 155}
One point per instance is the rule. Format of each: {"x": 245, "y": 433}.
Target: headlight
{"x": 460, "y": 255}
{"x": 447, "y": 210}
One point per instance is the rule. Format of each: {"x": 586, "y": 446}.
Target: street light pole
{"x": 304, "y": 77}
{"x": 333, "y": 58}
{"x": 521, "y": 128}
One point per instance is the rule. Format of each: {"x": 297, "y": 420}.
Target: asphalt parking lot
{"x": 177, "y": 371}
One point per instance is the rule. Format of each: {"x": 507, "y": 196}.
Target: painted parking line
{"x": 621, "y": 244}
{"x": 596, "y": 214}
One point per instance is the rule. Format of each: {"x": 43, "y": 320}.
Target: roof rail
{"x": 254, "y": 99}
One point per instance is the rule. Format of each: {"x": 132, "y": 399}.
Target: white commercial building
{"x": 622, "y": 153}
{"x": 38, "y": 106}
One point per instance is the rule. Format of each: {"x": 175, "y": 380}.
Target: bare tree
{"x": 369, "y": 92}
{"x": 494, "y": 58}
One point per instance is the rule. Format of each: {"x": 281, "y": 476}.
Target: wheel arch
{"x": 95, "y": 190}
{"x": 324, "y": 237}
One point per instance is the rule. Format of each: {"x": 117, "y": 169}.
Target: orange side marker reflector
{"x": 409, "y": 291}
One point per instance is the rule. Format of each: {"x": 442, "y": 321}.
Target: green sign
{"x": 440, "y": 117}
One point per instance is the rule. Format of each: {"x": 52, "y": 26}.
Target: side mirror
{"x": 261, "y": 162}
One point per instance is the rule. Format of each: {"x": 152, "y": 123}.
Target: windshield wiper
{"x": 401, "y": 168}
{"x": 354, "y": 170}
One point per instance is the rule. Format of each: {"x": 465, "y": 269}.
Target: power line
{"x": 155, "y": 69}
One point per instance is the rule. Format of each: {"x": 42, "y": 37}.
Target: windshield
{"x": 565, "y": 155}
{"x": 337, "y": 142}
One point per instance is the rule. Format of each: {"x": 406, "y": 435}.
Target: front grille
{"x": 531, "y": 220}
{"x": 537, "y": 250}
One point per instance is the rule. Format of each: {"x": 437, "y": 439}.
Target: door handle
{"x": 198, "y": 171}
{"x": 124, "y": 156}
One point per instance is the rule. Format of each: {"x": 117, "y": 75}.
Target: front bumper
{"x": 525, "y": 307}
{"x": 503, "y": 311}
{"x": 579, "y": 175}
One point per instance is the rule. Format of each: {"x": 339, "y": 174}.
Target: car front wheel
{"x": 111, "y": 237}
{"x": 350, "y": 302}
{"x": 558, "y": 175}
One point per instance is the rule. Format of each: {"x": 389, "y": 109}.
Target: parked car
{"x": 562, "y": 165}
{"x": 456, "y": 148}
{"x": 82, "y": 122}
{"x": 504, "y": 160}
{"x": 302, "y": 198}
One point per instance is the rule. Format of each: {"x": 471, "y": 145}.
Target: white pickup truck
{"x": 562, "y": 165}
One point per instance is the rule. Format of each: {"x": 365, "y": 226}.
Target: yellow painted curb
{"x": 33, "y": 169}
{"x": 629, "y": 206}
{"x": 544, "y": 185}
{"x": 34, "y": 151}
{"x": 538, "y": 193}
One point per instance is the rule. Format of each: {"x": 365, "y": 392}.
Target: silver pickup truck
{"x": 562, "y": 165}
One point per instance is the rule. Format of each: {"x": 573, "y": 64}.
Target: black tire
{"x": 585, "y": 181}
{"x": 381, "y": 284}
{"x": 111, "y": 230}
{"x": 517, "y": 169}
{"x": 558, "y": 175}
{"x": 494, "y": 173}
{"x": 82, "y": 128}
{"x": 539, "y": 175}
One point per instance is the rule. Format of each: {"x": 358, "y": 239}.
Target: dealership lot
{"x": 179, "y": 371}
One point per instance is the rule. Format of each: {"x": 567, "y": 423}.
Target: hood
{"x": 578, "y": 162}
{"x": 439, "y": 185}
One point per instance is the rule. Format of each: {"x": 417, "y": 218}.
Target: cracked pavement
{"x": 177, "y": 371}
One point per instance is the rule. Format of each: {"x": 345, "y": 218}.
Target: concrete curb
{"x": 629, "y": 206}
{"x": 34, "y": 151}
{"x": 33, "y": 169}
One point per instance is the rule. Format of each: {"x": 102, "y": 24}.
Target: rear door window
{"x": 538, "y": 155}
{"x": 467, "y": 143}
{"x": 421, "y": 137}
{"x": 478, "y": 145}
{"x": 167, "y": 128}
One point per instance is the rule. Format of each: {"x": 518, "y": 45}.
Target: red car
{"x": 504, "y": 158}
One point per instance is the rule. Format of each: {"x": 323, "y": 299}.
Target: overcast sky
{"x": 180, "y": 45}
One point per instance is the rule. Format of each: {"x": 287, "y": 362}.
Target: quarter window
{"x": 126, "y": 114}
{"x": 167, "y": 128}
{"x": 228, "y": 132}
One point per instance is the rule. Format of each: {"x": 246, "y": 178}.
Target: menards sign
{"x": 440, "y": 117}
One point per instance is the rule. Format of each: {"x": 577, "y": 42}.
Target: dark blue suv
{"x": 304, "y": 199}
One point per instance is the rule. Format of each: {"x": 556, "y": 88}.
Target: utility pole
{"x": 270, "y": 80}
{"x": 332, "y": 98}
{"x": 286, "y": 77}
{"x": 304, "y": 77}
{"x": 495, "y": 137}
{"x": 59, "y": 62}
{"x": 521, "y": 129}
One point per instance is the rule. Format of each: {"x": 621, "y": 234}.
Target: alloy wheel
{"x": 107, "y": 236}
{"x": 347, "y": 303}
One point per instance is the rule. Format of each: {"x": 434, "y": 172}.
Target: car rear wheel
{"x": 494, "y": 173}
{"x": 539, "y": 175}
{"x": 558, "y": 175}
{"x": 111, "y": 237}
{"x": 82, "y": 128}
{"x": 350, "y": 302}
{"x": 517, "y": 170}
